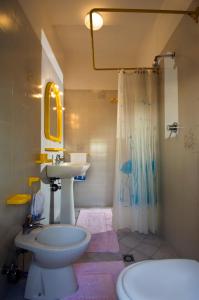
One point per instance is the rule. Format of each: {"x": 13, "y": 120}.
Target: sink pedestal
{"x": 67, "y": 214}
{"x": 66, "y": 171}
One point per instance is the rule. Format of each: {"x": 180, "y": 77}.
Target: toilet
{"x": 55, "y": 248}
{"x": 167, "y": 279}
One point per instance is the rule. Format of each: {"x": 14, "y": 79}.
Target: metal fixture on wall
{"x": 173, "y": 128}
{"x": 193, "y": 14}
{"x": 159, "y": 57}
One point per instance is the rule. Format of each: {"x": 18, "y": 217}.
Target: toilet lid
{"x": 169, "y": 279}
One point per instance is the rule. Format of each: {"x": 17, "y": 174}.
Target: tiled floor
{"x": 144, "y": 247}
{"x": 141, "y": 246}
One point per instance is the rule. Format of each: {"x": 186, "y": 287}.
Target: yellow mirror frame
{"x": 51, "y": 87}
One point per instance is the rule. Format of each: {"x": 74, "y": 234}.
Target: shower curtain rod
{"x": 194, "y": 14}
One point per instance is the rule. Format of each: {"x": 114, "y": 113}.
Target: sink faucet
{"x": 29, "y": 224}
{"x": 58, "y": 159}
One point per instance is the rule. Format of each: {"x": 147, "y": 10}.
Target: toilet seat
{"x": 168, "y": 279}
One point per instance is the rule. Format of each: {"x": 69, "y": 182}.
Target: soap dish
{"x": 18, "y": 199}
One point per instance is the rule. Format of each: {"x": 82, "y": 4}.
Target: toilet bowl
{"x": 55, "y": 248}
{"x": 167, "y": 279}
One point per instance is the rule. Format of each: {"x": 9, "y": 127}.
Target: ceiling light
{"x": 97, "y": 21}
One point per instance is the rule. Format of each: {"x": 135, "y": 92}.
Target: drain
{"x": 128, "y": 258}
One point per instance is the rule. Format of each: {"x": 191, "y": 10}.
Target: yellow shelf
{"x": 43, "y": 161}
{"x": 32, "y": 180}
{"x": 18, "y": 199}
{"x": 55, "y": 149}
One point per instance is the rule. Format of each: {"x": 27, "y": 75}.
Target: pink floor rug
{"x": 104, "y": 242}
{"x": 96, "y": 220}
{"x": 97, "y": 281}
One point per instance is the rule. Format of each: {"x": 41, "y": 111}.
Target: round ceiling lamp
{"x": 97, "y": 21}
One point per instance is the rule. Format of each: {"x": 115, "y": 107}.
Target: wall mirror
{"x": 52, "y": 113}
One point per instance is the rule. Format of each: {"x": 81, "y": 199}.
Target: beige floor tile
{"x": 154, "y": 240}
{"x": 130, "y": 240}
{"x": 124, "y": 249}
{"x": 138, "y": 256}
{"x": 165, "y": 252}
{"x": 146, "y": 249}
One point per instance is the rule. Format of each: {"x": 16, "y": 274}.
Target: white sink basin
{"x": 67, "y": 170}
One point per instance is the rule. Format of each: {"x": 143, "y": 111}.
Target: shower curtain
{"x": 136, "y": 174}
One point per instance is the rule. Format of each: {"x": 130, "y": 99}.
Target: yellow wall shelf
{"x": 32, "y": 180}
{"x": 18, "y": 199}
{"x": 43, "y": 159}
{"x": 55, "y": 149}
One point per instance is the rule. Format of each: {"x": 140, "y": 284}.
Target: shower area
{"x": 150, "y": 175}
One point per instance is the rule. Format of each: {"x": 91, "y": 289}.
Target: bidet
{"x": 55, "y": 248}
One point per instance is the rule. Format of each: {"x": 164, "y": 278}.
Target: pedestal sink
{"x": 66, "y": 172}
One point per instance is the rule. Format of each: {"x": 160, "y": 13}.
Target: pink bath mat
{"x": 97, "y": 281}
{"x": 104, "y": 242}
{"x": 96, "y": 220}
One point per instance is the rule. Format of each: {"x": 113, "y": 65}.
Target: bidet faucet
{"x": 58, "y": 159}
{"x": 29, "y": 224}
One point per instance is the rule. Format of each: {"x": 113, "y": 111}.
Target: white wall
{"x": 50, "y": 71}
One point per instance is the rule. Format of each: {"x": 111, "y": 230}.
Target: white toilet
{"x": 55, "y": 248}
{"x": 167, "y": 279}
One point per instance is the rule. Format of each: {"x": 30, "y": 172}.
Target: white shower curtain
{"x": 136, "y": 175}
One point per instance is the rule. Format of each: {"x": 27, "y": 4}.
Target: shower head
{"x": 158, "y": 58}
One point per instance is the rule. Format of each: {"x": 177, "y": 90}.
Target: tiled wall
{"x": 90, "y": 126}
{"x": 180, "y": 155}
{"x": 20, "y": 60}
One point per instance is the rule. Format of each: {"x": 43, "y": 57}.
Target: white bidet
{"x": 55, "y": 248}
